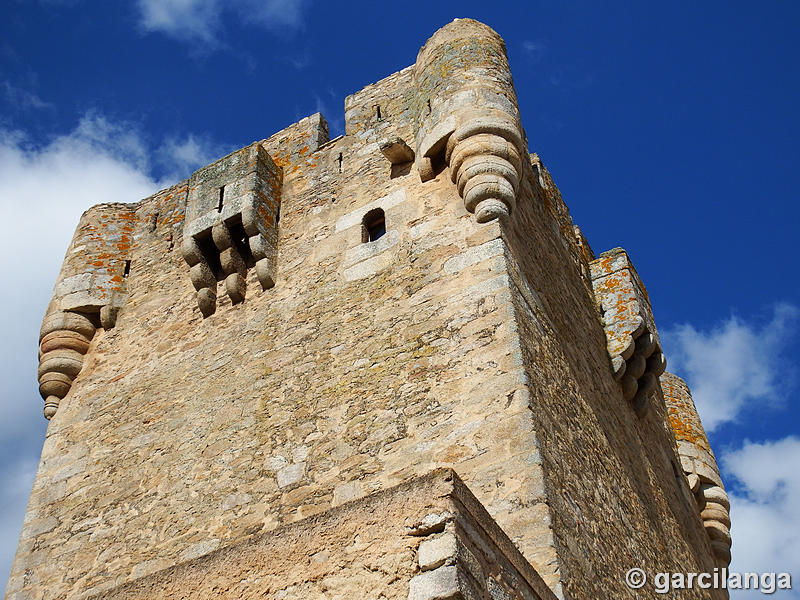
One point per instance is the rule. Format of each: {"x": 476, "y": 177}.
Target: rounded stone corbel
{"x": 202, "y": 277}
{"x": 232, "y": 263}
{"x": 715, "y": 513}
{"x": 486, "y": 165}
{"x": 63, "y": 341}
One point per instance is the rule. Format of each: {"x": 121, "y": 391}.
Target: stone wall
{"x": 610, "y": 475}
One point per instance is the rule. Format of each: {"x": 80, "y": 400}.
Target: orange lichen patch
{"x": 282, "y": 160}
{"x": 683, "y": 418}
{"x": 303, "y": 150}
{"x": 98, "y": 263}
{"x": 116, "y": 279}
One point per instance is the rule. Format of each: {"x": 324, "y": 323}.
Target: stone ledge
{"x": 370, "y": 543}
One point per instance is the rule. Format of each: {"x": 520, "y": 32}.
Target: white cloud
{"x": 202, "y": 19}
{"x": 43, "y": 190}
{"x": 765, "y": 510}
{"x": 734, "y": 366}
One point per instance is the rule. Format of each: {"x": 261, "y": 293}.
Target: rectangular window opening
{"x": 127, "y": 270}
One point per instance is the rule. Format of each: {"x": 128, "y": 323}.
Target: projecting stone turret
{"x": 468, "y": 117}
{"x": 699, "y": 465}
{"x": 89, "y": 292}
{"x": 278, "y": 378}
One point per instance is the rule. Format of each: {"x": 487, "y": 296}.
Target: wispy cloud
{"x": 735, "y": 365}
{"x": 272, "y": 14}
{"x": 22, "y": 99}
{"x": 301, "y": 61}
{"x": 202, "y": 20}
{"x": 534, "y": 49}
{"x": 765, "y": 512}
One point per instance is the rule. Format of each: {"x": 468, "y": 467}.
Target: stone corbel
{"x": 485, "y": 159}
{"x": 715, "y": 513}
{"x": 712, "y": 503}
{"x": 63, "y": 342}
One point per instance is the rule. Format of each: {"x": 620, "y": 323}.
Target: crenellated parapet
{"x": 632, "y": 340}
{"x": 90, "y": 290}
{"x": 699, "y": 465}
{"x": 467, "y": 117}
{"x": 233, "y": 210}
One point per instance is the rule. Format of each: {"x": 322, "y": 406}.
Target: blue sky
{"x": 671, "y": 130}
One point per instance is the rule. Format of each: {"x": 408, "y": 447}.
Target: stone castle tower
{"x": 385, "y": 365}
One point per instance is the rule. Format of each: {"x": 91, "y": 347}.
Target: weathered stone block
{"x": 437, "y": 551}
{"x": 396, "y": 150}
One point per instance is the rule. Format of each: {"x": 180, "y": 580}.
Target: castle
{"x": 385, "y": 365}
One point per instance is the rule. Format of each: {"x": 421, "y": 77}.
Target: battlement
{"x": 306, "y": 323}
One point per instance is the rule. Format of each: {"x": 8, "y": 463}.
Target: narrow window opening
{"x": 378, "y": 107}
{"x": 373, "y": 226}
{"x": 429, "y": 106}
{"x": 221, "y": 198}
{"x": 340, "y": 162}
{"x": 278, "y": 215}
{"x": 127, "y": 270}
